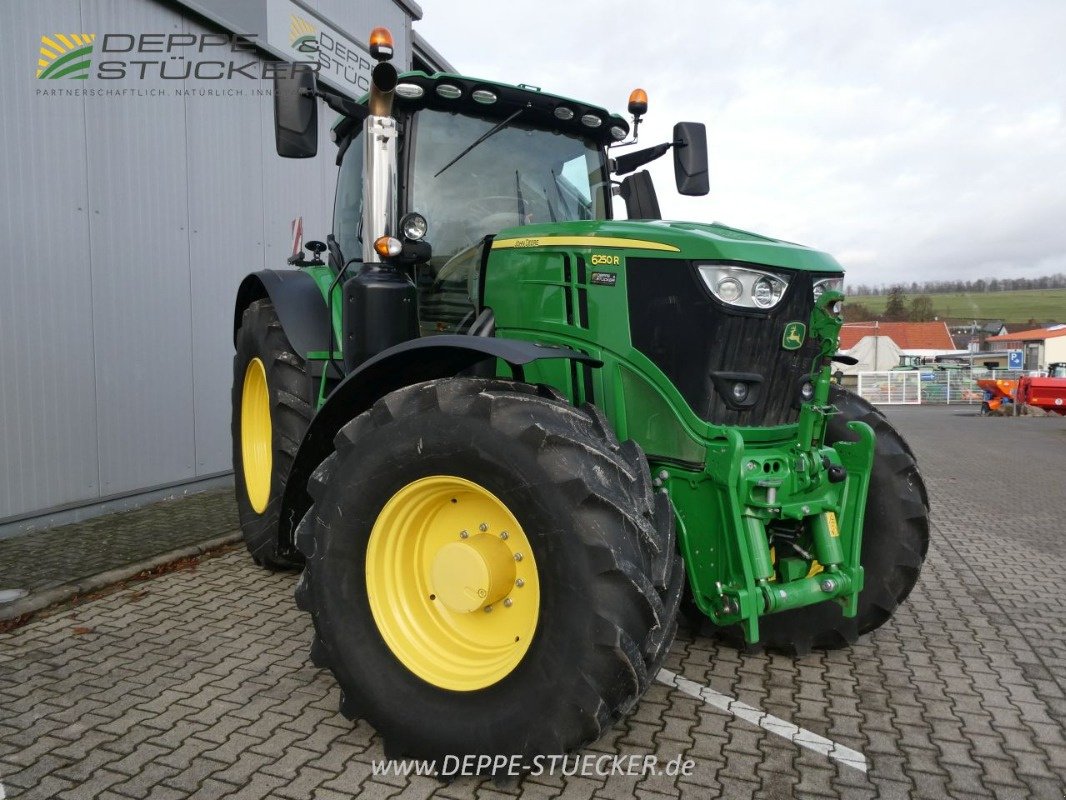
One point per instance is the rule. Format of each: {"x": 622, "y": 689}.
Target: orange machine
{"x": 1047, "y": 393}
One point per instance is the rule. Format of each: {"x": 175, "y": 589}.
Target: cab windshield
{"x": 517, "y": 176}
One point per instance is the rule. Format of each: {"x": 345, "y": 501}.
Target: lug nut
{"x": 488, "y": 609}
{"x": 663, "y": 474}
{"x": 517, "y": 556}
{"x": 519, "y": 583}
{"x": 503, "y": 534}
{"x": 463, "y": 535}
{"x": 508, "y": 602}
{"x": 751, "y": 466}
{"x": 828, "y": 585}
{"x": 482, "y": 527}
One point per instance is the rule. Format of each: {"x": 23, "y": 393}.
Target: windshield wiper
{"x": 491, "y": 132}
{"x": 518, "y": 196}
{"x": 551, "y": 210}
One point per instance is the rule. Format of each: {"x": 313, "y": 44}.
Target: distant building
{"x": 1041, "y": 346}
{"x": 879, "y": 345}
{"x": 972, "y": 334}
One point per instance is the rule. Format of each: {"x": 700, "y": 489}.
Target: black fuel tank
{"x": 380, "y": 310}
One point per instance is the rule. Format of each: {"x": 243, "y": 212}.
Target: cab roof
{"x": 539, "y": 108}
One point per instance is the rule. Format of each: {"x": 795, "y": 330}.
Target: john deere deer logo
{"x": 65, "y": 55}
{"x": 795, "y": 333}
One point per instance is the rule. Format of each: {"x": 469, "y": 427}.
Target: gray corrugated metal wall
{"x": 127, "y": 224}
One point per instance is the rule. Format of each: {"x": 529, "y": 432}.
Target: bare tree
{"x": 896, "y": 308}
{"x": 922, "y": 309}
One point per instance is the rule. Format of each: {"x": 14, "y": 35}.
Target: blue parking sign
{"x": 1014, "y": 359}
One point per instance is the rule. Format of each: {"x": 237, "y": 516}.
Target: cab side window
{"x": 448, "y": 297}
{"x": 348, "y": 205}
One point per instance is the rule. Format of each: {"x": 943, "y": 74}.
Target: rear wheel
{"x": 270, "y": 415}
{"x": 488, "y": 570}
{"x": 895, "y": 539}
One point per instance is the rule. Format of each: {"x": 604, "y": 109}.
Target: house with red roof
{"x": 879, "y": 345}
{"x": 1041, "y": 346}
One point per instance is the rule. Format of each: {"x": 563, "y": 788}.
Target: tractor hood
{"x": 668, "y": 239}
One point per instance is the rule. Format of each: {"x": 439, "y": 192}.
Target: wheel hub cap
{"x": 469, "y": 575}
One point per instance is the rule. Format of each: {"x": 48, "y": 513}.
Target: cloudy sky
{"x": 912, "y": 140}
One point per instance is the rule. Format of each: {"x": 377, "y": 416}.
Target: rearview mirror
{"x": 690, "y": 158}
{"x": 295, "y": 113}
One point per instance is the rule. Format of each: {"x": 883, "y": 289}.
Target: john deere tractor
{"x": 508, "y": 436}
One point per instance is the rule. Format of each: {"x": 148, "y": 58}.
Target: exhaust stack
{"x": 379, "y": 149}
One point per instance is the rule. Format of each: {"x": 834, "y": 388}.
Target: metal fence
{"x": 903, "y": 387}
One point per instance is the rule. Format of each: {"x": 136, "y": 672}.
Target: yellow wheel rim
{"x": 256, "y": 456}
{"x": 452, "y": 583}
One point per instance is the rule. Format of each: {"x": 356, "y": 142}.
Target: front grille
{"x": 676, "y": 323}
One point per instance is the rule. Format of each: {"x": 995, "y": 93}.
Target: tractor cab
{"x": 1057, "y": 370}
{"x": 454, "y": 160}
{"x": 479, "y": 157}
{"x": 908, "y": 362}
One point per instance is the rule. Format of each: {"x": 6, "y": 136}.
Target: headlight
{"x": 413, "y": 226}
{"x": 729, "y": 289}
{"x": 740, "y": 286}
{"x": 827, "y": 284}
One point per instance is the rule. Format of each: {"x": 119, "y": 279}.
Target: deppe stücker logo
{"x": 65, "y": 55}
{"x": 302, "y": 34}
{"x": 168, "y": 56}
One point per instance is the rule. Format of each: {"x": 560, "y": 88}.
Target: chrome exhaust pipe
{"x": 379, "y": 152}
{"x": 382, "y": 89}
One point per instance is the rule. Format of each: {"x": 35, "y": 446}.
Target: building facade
{"x": 1040, "y": 346}
{"x": 140, "y": 185}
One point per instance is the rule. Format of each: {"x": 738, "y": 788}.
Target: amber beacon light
{"x": 381, "y": 46}
{"x": 638, "y": 103}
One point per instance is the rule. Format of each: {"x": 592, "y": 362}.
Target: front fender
{"x": 405, "y": 364}
{"x": 298, "y": 302}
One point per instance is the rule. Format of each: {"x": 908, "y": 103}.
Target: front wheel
{"x": 488, "y": 570}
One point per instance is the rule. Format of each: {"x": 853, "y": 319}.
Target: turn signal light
{"x": 387, "y": 246}
{"x": 381, "y": 46}
{"x": 638, "y": 102}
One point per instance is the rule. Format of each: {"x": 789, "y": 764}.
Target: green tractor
{"x": 508, "y": 437}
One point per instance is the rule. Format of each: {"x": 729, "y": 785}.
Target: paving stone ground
{"x": 197, "y": 684}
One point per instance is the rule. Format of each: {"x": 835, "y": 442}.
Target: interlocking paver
{"x": 145, "y": 783}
